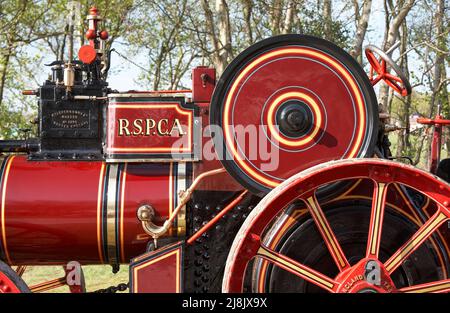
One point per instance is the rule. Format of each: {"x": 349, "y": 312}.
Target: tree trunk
{"x": 362, "y": 21}
{"x": 403, "y": 142}
{"x": 4, "y": 73}
{"x": 247, "y": 11}
{"x": 327, "y": 9}
{"x": 276, "y": 15}
{"x": 289, "y": 19}
{"x": 391, "y": 35}
{"x": 221, "y": 38}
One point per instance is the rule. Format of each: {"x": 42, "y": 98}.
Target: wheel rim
{"x": 302, "y": 186}
{"x": 10, "y": 281}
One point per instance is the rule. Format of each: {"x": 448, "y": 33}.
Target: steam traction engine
{"x": 274, "y": 178}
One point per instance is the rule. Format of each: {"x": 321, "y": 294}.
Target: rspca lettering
{"x": 150, "y": 127}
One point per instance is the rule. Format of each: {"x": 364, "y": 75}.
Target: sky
{"x": 124, "y": 75}
{"x": 125, "y": 79}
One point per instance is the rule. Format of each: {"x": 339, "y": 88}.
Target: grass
{"x": 96, "y": 276}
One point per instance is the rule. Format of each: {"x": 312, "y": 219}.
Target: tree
{"x": 361, "y": 24}
{"x": 395, "y": 15}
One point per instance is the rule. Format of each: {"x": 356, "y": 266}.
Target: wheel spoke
{"x": 297, "y": 269}
{"x": 376, "y": 80}
{"x": 416, "y": 240}
{"x": 440, "y": 286}
{"x": 327, "y": 233}
{"x": 374, "y": 62}
{"x": 376, "y": 219}
{"x": 383, "y": 67}
{"x": 21, "y": 269}
{"x": 393, "y": 84}
{"x": 393, "y": 77}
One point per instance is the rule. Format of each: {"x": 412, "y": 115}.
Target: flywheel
{"x": 288, "y": 103}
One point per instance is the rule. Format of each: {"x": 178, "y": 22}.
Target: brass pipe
{"x": 146, "y": 214}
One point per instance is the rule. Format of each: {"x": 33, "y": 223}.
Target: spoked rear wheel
{"x": 379, "y": 266}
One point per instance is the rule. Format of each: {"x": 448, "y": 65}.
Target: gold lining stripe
{"x": 440, "y": 287}
{"x": 269, "y": 255}
{"x": 164, "y": 256}
{"x": 181, "y": 179}
{"x": 298, "y": 51}
{"x": 289, "y": 221}
{"x": 111, "y": 214}
{"x": 415, "y": 241}
{"x": 99, "y": 213}
{"x": 327, "y": 230}
{"x": 122, "y": 208}
{"x": 171, "y": 189}
{"x": 310, "y": 102}
{"x": 381, "y": 187}
{"x": 408, "y": 204}
{"x": 5, "y": 182}
{"x": 171, "y": 196}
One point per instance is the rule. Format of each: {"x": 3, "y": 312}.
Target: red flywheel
{"x": 353, "y": 275}
{"x": 280, "y": 107}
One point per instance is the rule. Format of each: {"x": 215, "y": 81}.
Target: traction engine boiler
{"x": 277, "y": 177}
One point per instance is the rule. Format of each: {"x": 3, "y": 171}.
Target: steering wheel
{"x": 378, "y": 65}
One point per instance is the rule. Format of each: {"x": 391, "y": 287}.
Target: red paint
{"x": 104, "y": 35}
{"x": 380, "y": 69}
{"x": 158, "y": 271}
{"x": 302, "y": 185}
{"x": 51, "y": 209}
{"x": 435, "y": 155}
{"x": 6, "y": 285}
{"x": 305, "y": 75}
{"x": 87, "y": 54}
{"x": 149, "y": 128}
{"x": 354, "y": 281}
{"x": 213, "y": 221}
{"x": 90, "y": 34}
{"x": 203, "y": 83}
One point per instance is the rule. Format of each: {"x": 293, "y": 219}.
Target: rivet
{"x": 446, "y": 203}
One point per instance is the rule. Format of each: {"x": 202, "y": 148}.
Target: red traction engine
{"x": 275, "y": 178}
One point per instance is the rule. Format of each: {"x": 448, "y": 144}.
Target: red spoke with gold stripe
{"x": 327, "y": 233}
{"x": 416, "y": 240}
{"x": 376, "y": 219}
{"x": 297, "y": 269}
{"x": 440, "y": 286}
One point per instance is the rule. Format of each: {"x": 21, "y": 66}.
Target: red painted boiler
{"x": 55, "y": 212}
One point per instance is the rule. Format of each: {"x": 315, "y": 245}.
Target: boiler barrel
{"x": 54, "y": 212}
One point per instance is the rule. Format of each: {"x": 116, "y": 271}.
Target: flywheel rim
{"x": 302, "y": 186}
{"x": 239, "y": 102}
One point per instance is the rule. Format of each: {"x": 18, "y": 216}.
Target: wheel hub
{"x": 294, "y": 118}
{"x": 366, "y": 276}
